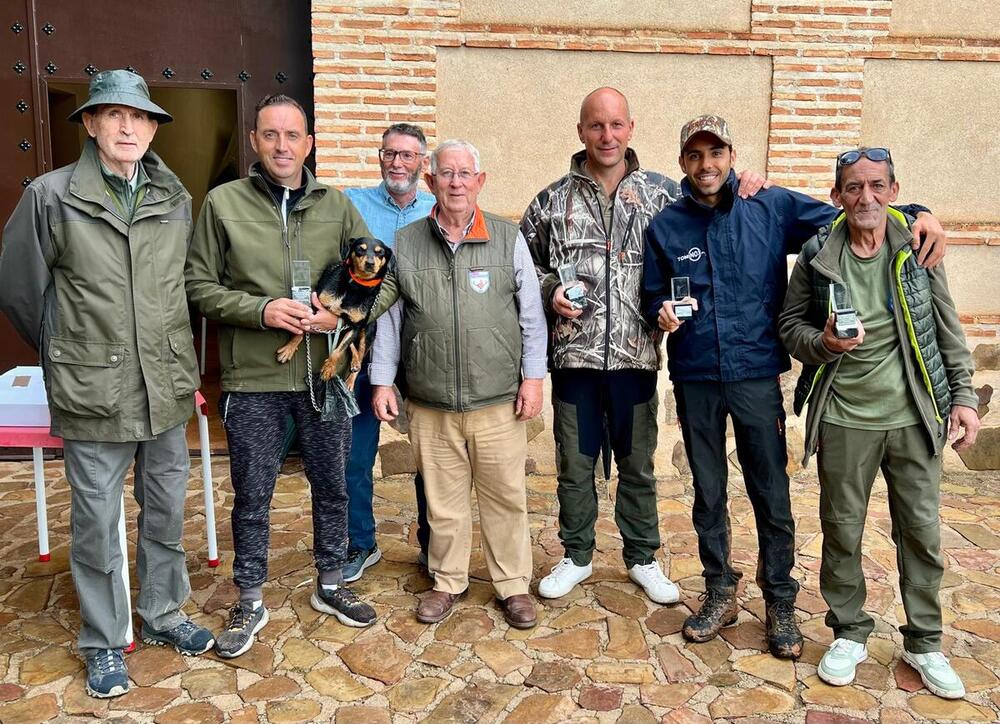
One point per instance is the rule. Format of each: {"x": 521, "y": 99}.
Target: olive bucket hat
{"x": 121, "y": 88}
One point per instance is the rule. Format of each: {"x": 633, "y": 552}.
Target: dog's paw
{"x": 284, "y": 354}
{"x": 328, "y": 371}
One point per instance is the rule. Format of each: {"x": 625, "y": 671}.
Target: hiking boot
{"x": 187, "y": 637}
{"x": 246, "y": 618}
{"x": 784, "y": 640}
{"x": 344, "y": 604}
{"x": 658, "y": 588}
{"x": 565, "y": 574}
{"x": 936, "y": 673}
{"x": 106, "y": 674}
{"x": 840, "y": 662}
{"x": 358, "y": 561}
{"x": 718, "y": 609}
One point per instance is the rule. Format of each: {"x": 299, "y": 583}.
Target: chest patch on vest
{"x": 479, "y": 280}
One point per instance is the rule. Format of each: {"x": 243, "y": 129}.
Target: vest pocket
{"x": 85, "y": 378}
{"x": 429, "y": 361}
{"x": 490, "y": 364}
{"x": 182, "y": 363}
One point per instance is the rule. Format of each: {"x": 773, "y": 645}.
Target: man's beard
{"x": 402, "y": 187}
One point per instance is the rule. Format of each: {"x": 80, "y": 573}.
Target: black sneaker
{"x": 246, "y": 618}
{"x": 784, "y": 639}
{"x": 718, "y": 609}
{"x": 344, "y": 604}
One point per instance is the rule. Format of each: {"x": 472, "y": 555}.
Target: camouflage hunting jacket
{"x": 565, "y": 224}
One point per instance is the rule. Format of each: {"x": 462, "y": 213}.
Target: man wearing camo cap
{"x": 725, "y": 359}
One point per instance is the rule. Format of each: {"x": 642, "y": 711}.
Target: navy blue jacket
{"x": 735, "y": 257}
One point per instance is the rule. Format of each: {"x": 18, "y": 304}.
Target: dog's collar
{"x": 363, "y": 282}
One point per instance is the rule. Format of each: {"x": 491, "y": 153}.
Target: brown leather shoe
{"x": 519, "y": 610}
{"x": 436, "y": 606}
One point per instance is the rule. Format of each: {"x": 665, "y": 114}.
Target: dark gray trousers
{"x": 255, "y": 429}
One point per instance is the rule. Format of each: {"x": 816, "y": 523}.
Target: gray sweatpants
{"x": 96, "y": 473}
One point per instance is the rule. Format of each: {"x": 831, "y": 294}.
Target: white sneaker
{"x": 936, "y": 673}
{"x": 658, "y": 587}
{"x": 840, "y": 662}
{"x": 565, "y": 574}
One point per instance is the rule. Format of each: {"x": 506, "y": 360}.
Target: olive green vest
{"x": 461, "y": 339}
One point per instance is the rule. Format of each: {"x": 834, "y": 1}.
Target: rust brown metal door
{"x": 246, "y": 48}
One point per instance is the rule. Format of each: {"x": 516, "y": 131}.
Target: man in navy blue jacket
{"x": 725, "y": 361}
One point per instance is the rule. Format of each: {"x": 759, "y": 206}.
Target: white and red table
{"x": 38, "y": 438}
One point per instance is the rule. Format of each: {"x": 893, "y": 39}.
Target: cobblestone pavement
{"x": 602, "y": 654}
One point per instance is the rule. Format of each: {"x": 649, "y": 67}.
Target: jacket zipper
{"x": 911, "y": 335}
{"x": 607, "y": 274}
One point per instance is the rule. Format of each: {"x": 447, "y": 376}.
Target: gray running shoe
{"x": 246, "y": 618}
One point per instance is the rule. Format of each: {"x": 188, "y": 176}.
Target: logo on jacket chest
{"x": 694, "y": 254}
{"x": 479, "y": 280}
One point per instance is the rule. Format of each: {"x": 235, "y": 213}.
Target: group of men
{"x": 96, "y": 274}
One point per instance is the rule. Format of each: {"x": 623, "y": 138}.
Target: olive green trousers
{"x": 848, "y": 461}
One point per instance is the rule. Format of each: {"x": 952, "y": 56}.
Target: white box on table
{"x": 22, "y": 398}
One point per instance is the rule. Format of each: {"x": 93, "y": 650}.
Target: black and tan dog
{"x": 349, "y": 290}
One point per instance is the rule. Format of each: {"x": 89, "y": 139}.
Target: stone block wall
{"x": 801, "y": 81}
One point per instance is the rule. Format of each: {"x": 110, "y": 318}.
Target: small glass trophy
{"x": 574, "y": 290}
{"x": 680, "y": 288}
{"x": 302, "y": 282}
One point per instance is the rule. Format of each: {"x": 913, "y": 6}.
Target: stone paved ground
{"x": 603, "y": 654}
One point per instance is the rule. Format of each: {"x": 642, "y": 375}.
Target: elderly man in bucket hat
{"x": 92, "y": 276}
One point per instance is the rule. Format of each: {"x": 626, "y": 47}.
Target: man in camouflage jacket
{"x": 604, "y": 356}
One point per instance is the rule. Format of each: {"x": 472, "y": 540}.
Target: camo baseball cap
{"x": 716, "y": 125}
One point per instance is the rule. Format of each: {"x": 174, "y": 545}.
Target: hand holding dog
{"x": 384, "y": 403}
{"x": 286, "y": 314}
{"x": 322, "y": 320}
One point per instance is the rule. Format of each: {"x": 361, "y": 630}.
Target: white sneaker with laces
{"x": 840, "y": 663}
{"x": 565, "y": 574}
{"x": 657, "y": 586}
{"x": 936, "y": 673}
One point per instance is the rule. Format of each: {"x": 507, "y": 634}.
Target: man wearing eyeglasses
{"x": 469, "y": 331}
{"x": 386, "y": 209}
{"x": 725, "y": 361}
{"x": 888, "y": 379}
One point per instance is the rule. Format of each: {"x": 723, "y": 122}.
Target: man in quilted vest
{"x": 886, "y": 397}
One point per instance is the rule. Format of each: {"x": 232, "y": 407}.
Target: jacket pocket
{"x": 429, "y": 366}
{"x": 85, "y": 378}
{"x": 182, "y": 363}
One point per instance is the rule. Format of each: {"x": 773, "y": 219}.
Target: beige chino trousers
{"x": 485, "y": 449}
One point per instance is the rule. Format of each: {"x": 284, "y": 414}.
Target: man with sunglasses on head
{"x": 386, "y": 208}
{"x": 725, "y": 361}
{"x": 888, "y": 379}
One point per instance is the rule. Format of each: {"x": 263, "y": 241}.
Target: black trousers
{"x": 755, "y": 407}
{"x": 255, "y": 429}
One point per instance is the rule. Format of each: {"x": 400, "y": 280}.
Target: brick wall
{"x": 375, "y": 64}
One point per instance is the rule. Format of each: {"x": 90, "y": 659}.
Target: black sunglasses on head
{"x": 848, "y": 158}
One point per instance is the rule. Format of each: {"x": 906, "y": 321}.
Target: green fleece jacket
{"x": 241, "y": 258}
{"x": 801, "y": 329}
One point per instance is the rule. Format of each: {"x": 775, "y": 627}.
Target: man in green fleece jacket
{"x": 886, "y": 387}
{"x": 250, "y": 235}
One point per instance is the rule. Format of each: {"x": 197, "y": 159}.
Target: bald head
{"x": 603, "y": 98}
{"x": 605, "y": 129}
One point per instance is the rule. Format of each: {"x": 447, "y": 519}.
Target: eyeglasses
{"x": 849, "y": 158}
{"x": 464, "y": 175}
{"x": 387, "y": 155}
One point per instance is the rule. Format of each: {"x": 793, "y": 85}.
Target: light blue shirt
{"x": 380, "y": 212}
